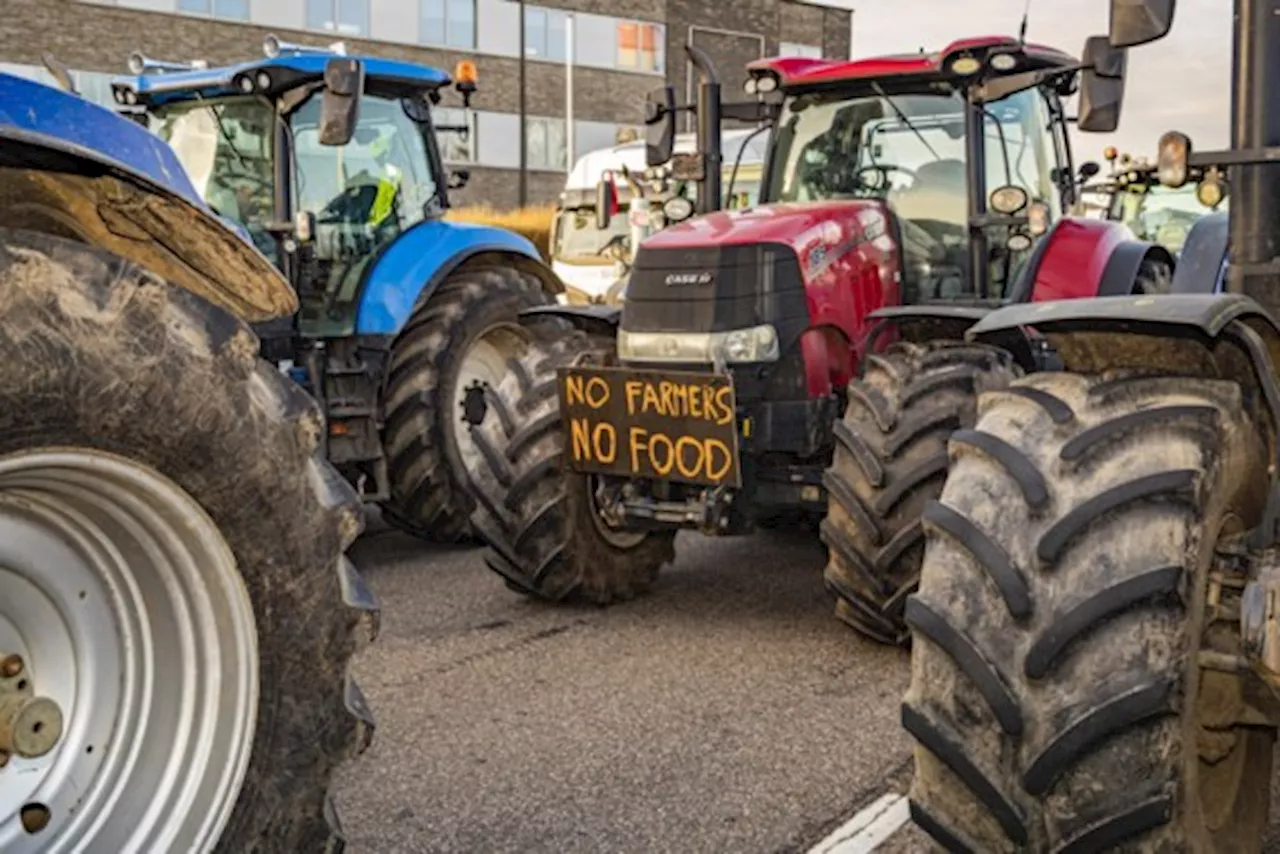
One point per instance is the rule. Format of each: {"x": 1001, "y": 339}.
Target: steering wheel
{"x": 881, "y": 170}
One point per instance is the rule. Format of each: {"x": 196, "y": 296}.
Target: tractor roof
{"x": 795, "y": 72}
{"x": 160, "y": 87}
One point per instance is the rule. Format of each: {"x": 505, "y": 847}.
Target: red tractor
{"x": 770, "y": 361}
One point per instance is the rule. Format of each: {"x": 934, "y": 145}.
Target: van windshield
{"x": 578, "y": 239}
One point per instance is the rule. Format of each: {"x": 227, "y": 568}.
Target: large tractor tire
{"x": 545, "y": 536}
{"x": 176, "y": 611}
{"x": 890, "y": 461}
{"x": 1060, "y": 699}
{"x": 462, "y": 335}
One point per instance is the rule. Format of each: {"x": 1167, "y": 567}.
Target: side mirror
{"x": 1088, "y": 169}
{"x": 660, "y": 125}
{"x": 458, "y": 179}
{"x": 606, "y": 195}
{"x": 1101, "y": 86}
{"x": 340, "y": 110}
{"x": 1135, "y": 22}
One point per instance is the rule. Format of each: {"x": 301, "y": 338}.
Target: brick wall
{"x": 95, "y": 37}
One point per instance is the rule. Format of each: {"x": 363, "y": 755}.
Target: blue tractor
{"x": 176, "y": 611}
{"x": 332, "y": 165}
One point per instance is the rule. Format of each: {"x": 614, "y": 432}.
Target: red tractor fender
{"x": 1085, "y": 258}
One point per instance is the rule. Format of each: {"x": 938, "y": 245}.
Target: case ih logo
{"x": 676, "y": 279}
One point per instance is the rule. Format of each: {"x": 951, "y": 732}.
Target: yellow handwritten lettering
{"x": 713, "y": 473}
{"x": 597, "y": 392}
{"x": 695, "y": 401}
{"x": 573, "y": 390}
{"x": 723, "y": 395}
{"x": 632, "y": 390}
{"x": 699, "y": 459}
{"x": 605, "y": 433}
{"x": 651, "y": 401}
{"x": 580, "y": 432}
{"x": 661, "y": 468}
{"x": 637, "y": 443}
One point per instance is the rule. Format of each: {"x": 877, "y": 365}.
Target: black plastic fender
{"x": 1180, "y": 320}
{"x": 1121, "y": 271}
{"x": 592, "y": 319}
{"x": 1200, "y": 263}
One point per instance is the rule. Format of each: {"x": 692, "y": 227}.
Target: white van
{"x": 576, "y": 242}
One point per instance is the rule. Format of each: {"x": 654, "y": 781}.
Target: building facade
{"x": 621, "y": 50}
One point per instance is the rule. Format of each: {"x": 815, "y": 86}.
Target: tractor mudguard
{"x": 1122, "y": 268}
{"x": 412, "y": 267}
{"x": 1202, "y": 261}
{"x": 600, "y": 320}
{"x": 1071, "y": 261}
{"x": 1170, "y": 322}
{"x": 77, "y": 170}
{"x": 955, "y": 319}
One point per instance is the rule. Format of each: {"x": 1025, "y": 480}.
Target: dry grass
{"x": 531, "y": 222}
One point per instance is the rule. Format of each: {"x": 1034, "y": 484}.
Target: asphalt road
{"x": 727, "y": 712}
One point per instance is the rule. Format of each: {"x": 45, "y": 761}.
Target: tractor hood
{"x": 816, "y": 232}
{"x": 70, "y": 167}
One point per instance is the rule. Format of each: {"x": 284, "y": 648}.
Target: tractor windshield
{"x": 363, "y": 194}
{"x": 226, "y": 147}
{"x": 910, "y": 151}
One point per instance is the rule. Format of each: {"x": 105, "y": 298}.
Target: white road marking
{"x": 866, "y": 830}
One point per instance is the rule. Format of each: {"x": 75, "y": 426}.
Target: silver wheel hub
{"x": 483, "y": 365}
{"x": 128, "y": 660}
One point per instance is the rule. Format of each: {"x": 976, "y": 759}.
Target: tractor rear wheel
{"x": 890, "y": 460}
{"x": 176, "y": 613}
{"x": 546, "y": 537}
{"x": 1060, "y": 698}
{"x": 461, "y": 336}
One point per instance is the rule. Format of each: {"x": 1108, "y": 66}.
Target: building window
{"x": 448, "y": 23}
{"x": 545, "y": 34}
{"x": 237, "y": 10}
{"x": 349, "y": 17}
{"x": 455, "y": 147}
{"x": 640, "y": 46}
{"x": 547, "y": 145}
{"x": 807, "y": 51}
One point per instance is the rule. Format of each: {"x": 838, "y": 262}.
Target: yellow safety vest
{"x": 385, "y": 200}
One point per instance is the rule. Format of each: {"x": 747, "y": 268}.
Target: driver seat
{"x": 939, "y": 192}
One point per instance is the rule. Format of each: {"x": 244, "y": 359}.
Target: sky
{"x": 1179, "y": 83}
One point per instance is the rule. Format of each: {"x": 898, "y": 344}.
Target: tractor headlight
{"x": 754, "y": 344}
{"x": 677, "y": 209}
{"x": 1171, "y": 162}
{"x": 1008, "y": 200}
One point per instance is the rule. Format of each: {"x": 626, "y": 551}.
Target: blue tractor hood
{"x": 123, "y": 188}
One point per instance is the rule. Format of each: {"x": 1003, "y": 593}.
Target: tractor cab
{"x": 323, "y": 159}
{"x": 966, "y": 150}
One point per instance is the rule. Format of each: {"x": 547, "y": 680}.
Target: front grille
{"x": 716, "y": 289}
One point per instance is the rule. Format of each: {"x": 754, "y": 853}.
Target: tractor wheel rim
{"x": 124, "y": 603}
{"x": 620, "y": 538}
{"x": 485, "y": 362}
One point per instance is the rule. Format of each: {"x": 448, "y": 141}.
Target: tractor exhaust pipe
{"x": 708, "y": 132}
{"x": 1255, "y": 124}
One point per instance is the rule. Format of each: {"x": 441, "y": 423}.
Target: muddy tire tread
{"x": 1099, "y": 658}
{"x": 531, "y": 512}
{"x": 890, "y": 459}
{"x": 430, "y": 491}
{"x": 97, "y": 352}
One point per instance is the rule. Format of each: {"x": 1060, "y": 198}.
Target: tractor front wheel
{"x": 890, "y": 460}
{"x": 176, "y": 613}
{"x": 461, "y": 337}
{"x": 1079, "y": 567}
{"x": 546, "y": 536}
